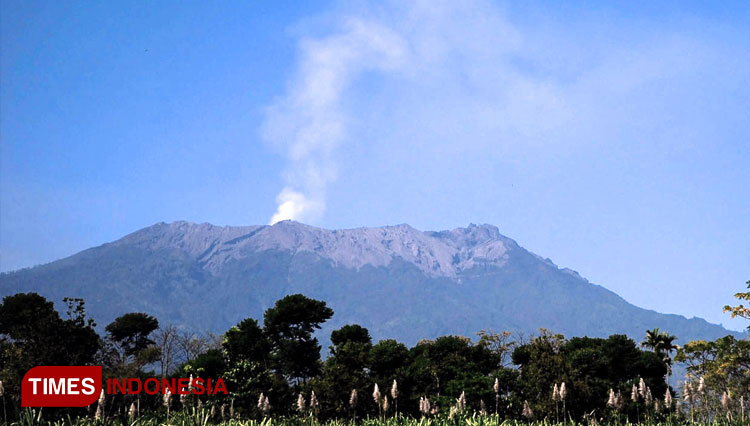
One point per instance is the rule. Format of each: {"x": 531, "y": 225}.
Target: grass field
{"x": 203, "y": 417}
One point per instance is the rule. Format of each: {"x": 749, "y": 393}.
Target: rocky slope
{"x": 397, "y": 281}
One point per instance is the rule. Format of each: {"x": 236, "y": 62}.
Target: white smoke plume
{"x": 308, "y": 122}
{"x": 441, "y": 94}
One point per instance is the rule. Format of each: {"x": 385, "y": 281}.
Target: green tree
{"x": 33, "y": 333}
{"x": 345, "y": 369}
{"x": 388, "y": 358}
{"x": 740, "y": 310}
{"x": 450, "y": 365}
{"x": 289, "y": 326}
{"x": 246, "y": 341}
{"x": 723, "y": 363}
{"x": 129, "y": 345}
{"x": 131, "y": 331}
{"x": 663, "y": 345}
{"x": 589, "y": 367}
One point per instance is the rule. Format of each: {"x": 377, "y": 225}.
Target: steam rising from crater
{"x": 308, "y": 122}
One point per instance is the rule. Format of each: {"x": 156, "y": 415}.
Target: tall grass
{"x": 203, "y": 417}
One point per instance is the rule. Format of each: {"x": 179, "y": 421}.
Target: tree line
{"x": 275, "y": 367}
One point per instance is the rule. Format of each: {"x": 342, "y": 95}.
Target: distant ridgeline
{"x": 397, "y": 281}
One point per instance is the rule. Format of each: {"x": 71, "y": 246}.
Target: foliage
{"x": 724, "y": 364}
{"x": 246, "y": 341}
{"x": 465, "y": 381}
{"x": 740, "y": 310}
{"x": 203, "y": 417}
{"x": 289, "y": 326}
{"x": 131, "y": 331}
{"x": 588, "y": 366}
{"x": 32, "y": 333}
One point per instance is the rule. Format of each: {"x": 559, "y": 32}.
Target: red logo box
{"x": 61, "y": 386}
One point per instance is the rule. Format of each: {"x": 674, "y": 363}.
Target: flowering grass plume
{"x": 376, "y": 394}
{"x": 461, "y": 402}
{"x": 612, "y": 401}
{"x": 166, "y": 399}
{"x": 100, "y": 406}
{"x": 563, "y": 391}
{"x": 301, "y": 404}
{"x": 688, "y": 395}
{"x": 313, "y": 401}
{"x": 263, "y": 404}
{"x": 424, "y": 405}
{"x": 526, "y": 412}
{"x": 642, "y": 388}
{"x": 353, "y": 399}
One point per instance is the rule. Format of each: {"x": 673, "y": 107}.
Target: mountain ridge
{"x": 396, "y": 280}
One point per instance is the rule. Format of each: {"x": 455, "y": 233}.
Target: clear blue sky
{"x": 613, "y": 139}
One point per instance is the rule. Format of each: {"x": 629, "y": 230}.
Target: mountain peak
{"x": 444, "y": 253}
{"x": 424, "y": 283}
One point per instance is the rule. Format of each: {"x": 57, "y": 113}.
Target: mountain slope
{"x": 397, "y": 281}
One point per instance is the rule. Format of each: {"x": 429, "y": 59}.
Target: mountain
{"x": 397, "y": 281}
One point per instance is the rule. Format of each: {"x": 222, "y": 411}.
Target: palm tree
{"x": 663, "y": 345}
{"x": 652, "y": 339}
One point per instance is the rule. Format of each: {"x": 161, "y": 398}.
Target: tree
{"x": 740, "y": 310}
{"x": 247, "y": 341}
{"x": 33, "y": 333}
{"x": 344, "y": 370}
{"x": 449, "y": 366}
{"x": 542, "y": 364}
{"x": 32, "y": 324}
{"x": 663, "y": 345}
{"x": 192, "y": 345}
{"x": 588, "y": 366}
{"x": 289, "y": 326}
{"x": 131, "y": 331}
{"x": 723, "y": 363}
{"x": 167, "y": 340}
{"x": 388, "y": 358}
{"x": 129, "y": 345}
{"x": 500, "y": 343}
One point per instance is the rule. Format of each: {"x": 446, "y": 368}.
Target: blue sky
{"x": 612, "y": 138}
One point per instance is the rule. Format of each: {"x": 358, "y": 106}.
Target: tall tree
{"x": 289, "y": 326}
{"x": 33, "y": 333}
{"x": 247, "y": 341}
{"x": 345, "y": 369}
{"x": 166, "y": 340}
{"x": 130, "y": 342}
{"x": 132, "y": 331}
{"x": 662, "y": 344}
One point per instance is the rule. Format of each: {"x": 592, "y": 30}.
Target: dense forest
{"x": 273, "y": 368}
